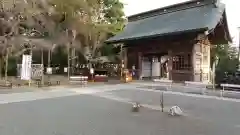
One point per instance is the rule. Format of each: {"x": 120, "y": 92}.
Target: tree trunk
{"x": 68, "y": 69}
{"x": 6, "y": 66}
{"x": 1, "y": 66}
{"x": 31, "y": 54}
{"x": 49, "y": 58}
{"x": 42, "y": 62}
{"x": 49, "y": 63}
{"x": 73, "y": 60}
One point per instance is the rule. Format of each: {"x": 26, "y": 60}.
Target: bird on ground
{"x": 135, "y": 107}
{"x": 175, "y": 111}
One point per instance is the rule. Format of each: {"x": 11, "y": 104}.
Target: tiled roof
{"x": 194, "y": 16}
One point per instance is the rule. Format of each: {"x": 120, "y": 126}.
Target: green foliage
{"x": 228, "y": 58}
{"x": 12, "y": 66}
{"x": 109, "y": 49}
{"x": 59, "y": 57}
{"x": 79, "y": 24}
{"x": 93, "y": 21}
{"x": 115, "y": 15}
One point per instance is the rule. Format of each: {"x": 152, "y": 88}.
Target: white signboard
{"x": 49, "y": 70}
{"x": 91, "y": 71}
{"x": 133, "y": 67}
{"x": 26, "y": 67}
{"x": 65, "y": 70}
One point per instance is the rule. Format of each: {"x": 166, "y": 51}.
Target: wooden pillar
{"x": 160, "y": 67}
{"x": 170, "y": 64}
{"x": 125, "y": 57}
{"x": 139, "y": 55}
{"x": 42, "y": 62}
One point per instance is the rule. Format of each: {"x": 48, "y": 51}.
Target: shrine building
{"x": 174, "y": 42}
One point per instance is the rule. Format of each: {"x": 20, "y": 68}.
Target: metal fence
{"x": 37, "y": 70}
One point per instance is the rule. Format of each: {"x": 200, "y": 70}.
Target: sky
{"x": 232, "y": 8}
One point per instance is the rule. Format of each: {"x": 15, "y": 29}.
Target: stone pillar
{"x": 206, "y": 64}
{"x": 156, "y": 71}
{"x": 201, "y": 59}
{"x": 197, "y": 62}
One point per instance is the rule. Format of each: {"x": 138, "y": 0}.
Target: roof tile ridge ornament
{"x": 172, "y": 8}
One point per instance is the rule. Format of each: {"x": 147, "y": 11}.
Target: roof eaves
{"x": 228, "y": 35}
{"x": 152, "y": 36}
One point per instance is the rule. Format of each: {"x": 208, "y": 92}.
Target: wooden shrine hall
{"x": 174, "y": 42}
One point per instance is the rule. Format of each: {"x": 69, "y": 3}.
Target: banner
{"x": 26, "y": 67}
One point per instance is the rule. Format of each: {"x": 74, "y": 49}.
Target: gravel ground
{"x": 91, "y": 115}
{"x": 222, "y": 113}
{"x": 192, "y": 90}
{"x": 109, "y": 113}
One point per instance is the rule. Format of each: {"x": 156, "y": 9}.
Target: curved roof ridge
{"x": 170, "y": 8}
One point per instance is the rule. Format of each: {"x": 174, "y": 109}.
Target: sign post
{"x": 49, "y": 70}
{"x": 92, "y": 72}
{"x": 26, "y": 71}
{"x": 161, "y": 101}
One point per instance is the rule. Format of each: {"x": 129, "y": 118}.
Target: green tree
{"x": 228, "y": 57}
{"x": 25, "y": 24}
{"x": 93, "y": 22}
{"x": 105, "y": 19}
{"x": 114, "y": 14}
{"x": 228, "y": 60}
{"x": 15, "y": 15}
{"x": 77, "y": 24}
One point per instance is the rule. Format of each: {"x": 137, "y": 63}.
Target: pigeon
{"x": 135, "y": 107}
{"x": 175, "y": 111}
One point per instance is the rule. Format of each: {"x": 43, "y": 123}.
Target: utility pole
{"x": 68, "y": 57}
{"x": 161, "y": 101}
